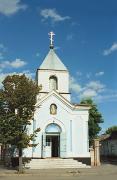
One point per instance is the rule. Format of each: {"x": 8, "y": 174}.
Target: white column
{"x": 71, "y": 135}
{"x": 63, "y": 145}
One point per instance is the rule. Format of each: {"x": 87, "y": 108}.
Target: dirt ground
{"x": 104, "y": 172}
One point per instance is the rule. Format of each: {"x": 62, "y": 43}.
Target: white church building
{"x": 64, "y": 126}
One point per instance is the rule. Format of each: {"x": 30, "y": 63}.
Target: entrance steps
{"x": 55, "y": 163}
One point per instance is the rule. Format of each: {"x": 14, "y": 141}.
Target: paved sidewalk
{"x": 5, "y": 171}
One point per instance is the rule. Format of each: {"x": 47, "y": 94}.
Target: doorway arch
{"x": 53, "y": 128}
{"x": 53, "y": 132}
{"x": 46, "y": 150}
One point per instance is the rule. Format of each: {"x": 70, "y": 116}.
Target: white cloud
{"x": 101, "y": 73}
{"x": 69, "y": 37}
{"x": 17, "y": 63}
{"x": 79, "y": 73}
{"x": 2, "y": 77}
{"x": 57, "y": 48}
{"x": 10, "y": 7}
{"x": 92, "y": 89}
{"x": 88, "y": 93}
{"x": 75, "y": 24}
{"x": 53, "y": 15}
{"x": 108, "y": 97}
{"x": 2, "y": 51}
{"x": 1, "y": 46}
{"x": 37, "y": 54}
{"x": 1, "y": 55}
{"x": 96, "y": 86}
{"x": 12, "y": 64}
{"x": 88, "y": 75}
{"x": 26, "y": 72}
{"x": 112, "y": 49}
{"x": 74, "y": 86}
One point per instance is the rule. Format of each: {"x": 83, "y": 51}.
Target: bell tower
{"x": 53, "y": 74}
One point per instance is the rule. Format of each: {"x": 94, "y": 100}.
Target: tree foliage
{"x": 17, "y": 105}
{"x": 112, "y": 129}
{"x": 95, "y": 118}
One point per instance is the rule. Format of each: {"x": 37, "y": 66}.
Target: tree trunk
{"x": 20, "y": 161}
{"x": 3, "y": 154}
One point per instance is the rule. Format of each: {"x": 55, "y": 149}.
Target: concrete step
{"x": 55, "y": 167}
{"x": 62, "y": 167}
{"x": 53, "y": 160}
{"x": 54, "y": 164}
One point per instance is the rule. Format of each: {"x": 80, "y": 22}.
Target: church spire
{"x": 52, "y": 61}
{"x": 51, "y": 35}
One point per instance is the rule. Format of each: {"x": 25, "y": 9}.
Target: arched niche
{"x": 53, "y": 109}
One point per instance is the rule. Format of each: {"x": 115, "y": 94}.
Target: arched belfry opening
{"x": 53, "y": 83}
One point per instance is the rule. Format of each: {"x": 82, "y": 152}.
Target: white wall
{"x": 63, "y": 81}
{"x": 63, "y": 117}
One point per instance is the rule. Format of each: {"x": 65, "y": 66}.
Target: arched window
{"x": 53, "y": 109}
{"x": 53, "y": 83}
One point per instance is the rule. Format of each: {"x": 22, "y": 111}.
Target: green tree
{"x": 95, "y": 118}
{"x": 17, "y": 104}
{"x": 112, "y": 129}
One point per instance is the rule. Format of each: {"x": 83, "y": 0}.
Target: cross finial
{"x": 51, "y": 34}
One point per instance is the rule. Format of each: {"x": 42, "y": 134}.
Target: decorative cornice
{"x": 64, "y": 100}
{"x": 51, "y": 70}
{"x": 58, "y": 92}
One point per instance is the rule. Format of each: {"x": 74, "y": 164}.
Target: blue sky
{"x": 86, "y": 42}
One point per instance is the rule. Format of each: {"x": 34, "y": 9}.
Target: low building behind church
{"x": 108, "y": 144}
